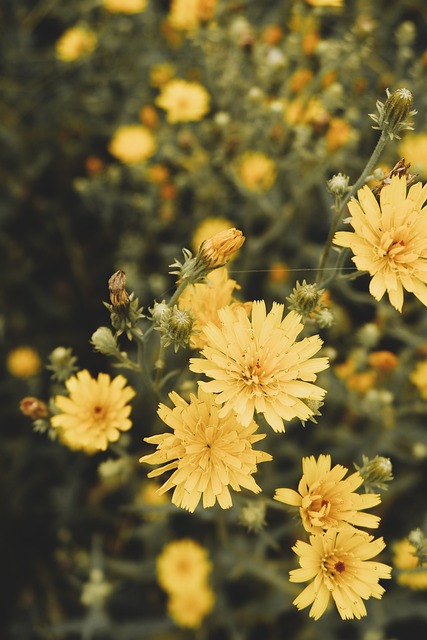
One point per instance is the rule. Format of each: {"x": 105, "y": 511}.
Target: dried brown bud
{"x": 118, "y": 294}
{"x": 216, "y": 251}
{"x": 400, "y": 169}
{"x": 33, "y": 408}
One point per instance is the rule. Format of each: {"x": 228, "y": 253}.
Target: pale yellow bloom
{"x": 189, "y": 608}
{"x": 410, "y": 573}
{"x": 325, "y": 3}
{"x": 207, "y": 228}
{"x": 95, "y": 412}
{"x": 183, "y": 565}
{"x": 183, "y": 101}
{"x": 132, "y": 143}
{"x": 256, "y": 171}
{"x": 208, "y": 453}
{"x": 419, "y": 378}
{"x": 125, "y": 6}
{"x": 23, "y": 362}
{"x": 186, "y": 15}
{"x": 413, "y": 147}
{"x": 205, "y": 299}
{"x": 74, "y": 43}
{"x": 325, "y": 499}
{"x": 339, "y": 565}
{"x": 390, "y": 239}
{"x": 256, "y": 365}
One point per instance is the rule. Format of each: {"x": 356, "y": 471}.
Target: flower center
{"x": 333, "y": 568}
{"x": 98, "y": 412}
{"x": 391, "y": 247}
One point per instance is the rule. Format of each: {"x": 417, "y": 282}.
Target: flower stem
{"x": 341, "y": 204}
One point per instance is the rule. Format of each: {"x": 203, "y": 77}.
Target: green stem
{"x": 179, "y": 290}
{"x": 339, "y": 208}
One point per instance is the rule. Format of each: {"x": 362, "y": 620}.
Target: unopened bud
{"x": 392, "y": 114}
{"x": 217, "y": 250}
{"x": 338, "y": 184}
{"x": 160, "y": 311}
{"x": 63, "y": 363}
{"x": 252, "y": 515}
{"x": 104, "y": 341}
{"x": 304, "y": 298}
{"x": 33, "y": 408}
{"x": 418, "y": 539}
{"x": 118, "y": 294}
{"x": 376, "y": 473}
{"x": 176, "y": 328}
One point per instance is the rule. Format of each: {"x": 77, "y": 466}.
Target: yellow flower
{"x": 125, "y": 6}
{"x": 183, "y": 101}
{"x": 186, "y": 15}
{"x": 23, "y": 362}
{"x": 338, "y": 563}
{"x": 390, "y": 240}
{"x": 413, "y": 148}
{"x": 208, "y": 453}
{"x": 74, "y": 43}
{"x": 325, "y": 3}
{"x": 94, "y": 413}
{"x": 256, "y": 171}
{"x": 410, "y": 573}
{"x": 189, "y": 608}
{"x": 132, "y": 143}
{"x": 338, "y": 134}
{"x": 256, "y": 365}
{"x": 326, "y": 500}
{"x": 205, "y": 299}
{"x": 419, "y": 378}
{"x": 208, "y": 228}
{"x": 183, "y": 565}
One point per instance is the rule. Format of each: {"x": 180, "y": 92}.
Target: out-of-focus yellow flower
{"x": 186, "y": 15}
{"x": 208, "y": 228}
{"x": 338, "y": 563}
{"x": 419, "y": 378}
{"x": 256, "y": 171}
{"x": 95, "y": 412}
{"x": 132, "y": 144}
{"x": 125, "y": 6}
{"x": 189, "y": 608}
{"x": 205, "y": 299}
{"x": 300, "y": 79}
{"x": 207, "y": 453}
{"x": 325, "y": 3}
{"x": 23, "y": 362}
{"x": 161, "y": 74}
{"x": 410, "y": 573}
{"x": 390, "y": 239}
{"x": 339, "y": 134}
{"x": 183, "y": 565}
{"x": 325, "y": 499}
{"x": 300, "y": 111}
{"x": 413, "y": 147}
{"x": 74, "y": 43}
{"x": 257, "y": 365}
{"x": 183, "y": 101}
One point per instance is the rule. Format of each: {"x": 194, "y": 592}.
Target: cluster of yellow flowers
{"x": 183, "y": 570}
{"x": 337, "y": 558}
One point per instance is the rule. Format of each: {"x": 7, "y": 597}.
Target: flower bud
{"x": 62, "y": 363}
{"x": 418, "y": 539}
{"x": 304, "y": 298}
{"x": 375, "y": 473}
{"x": 176, "y": 328}
{"x": 338, "y": 184}
{"x": 392, "y": 114}
{"x": 104, "y": 341}
{"x": 252, "y": 515}
{"x": 118, "y": 294}
{"x": 33, "y": 408}
{"x": 217, "y": 250}
{"x": 160, "y": 311}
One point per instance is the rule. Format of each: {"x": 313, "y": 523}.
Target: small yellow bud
{"x": 217, "y": 250}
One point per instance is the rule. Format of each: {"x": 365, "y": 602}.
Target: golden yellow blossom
{"x": 325, "y": 499}
{"x": 183, "y": 101}
{"x": 132, "y": 143}
{"x": 410, "y": 573}
{"x": 419, "y": 378}
{"x": 217, "y": 250}
{"x": 189, "y": 608}
{"x": 125, "y": 6}
{"x": 208, "y": 453}
{"x": 74, "y": 43}
{"x": 23, "y": 362}
{"x": 94, "y": 413}
{"x": 256, "y": 171}
{"x": 183, "y": 565}
{"x": 205, "y": 299}
{"x": 325, "y": 3}
{"x": 257, "y": 365}
{"x": 390, "y": 239}
{"x": 339, "y": 134}
{"x": 161, "y": 73}
{"x": 338, "y": 563}
{"x": 186, "y": 15}
{"x": 207, "y": 228}
{"x": 413, "y": 148}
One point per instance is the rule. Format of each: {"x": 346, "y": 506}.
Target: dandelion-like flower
{"x": 257, "y": 365}
{"x": 325, "y": 499}
{"x": 390, "y": 240}
{"x": 208, "y": 453}
{"x": 183, "y": 101}
{"x": 75, "y": 43}
{"x": 132, "y": 143}
{"x": 339, "y": 565}
{"x": 256, "y": 171}
{"x": 183, "y": 565}
{"x": 94, "y": 413}
{"x": 189, "y": 608}
{"x": 23, "y": 362}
